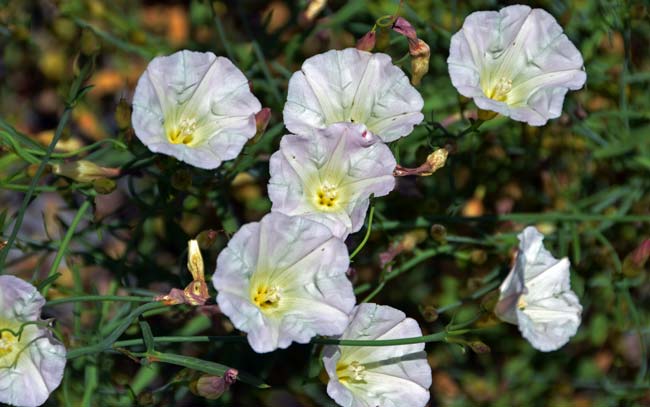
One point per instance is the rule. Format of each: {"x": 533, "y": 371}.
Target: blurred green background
{"x": 583, "y": 179}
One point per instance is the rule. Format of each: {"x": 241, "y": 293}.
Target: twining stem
{"x": 99, "y": 298}
{"x": 368, "y": 230}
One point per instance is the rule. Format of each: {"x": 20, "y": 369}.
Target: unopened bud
{"x": 181, "y": 179}
{"x": 262, "y": 119}
{"x": 420, "y": 54}
{"x": 206, "y": 238}
{"x": 479, "y": 347}
{"x": 123, "y": 114}
{"x": 402, "y": 26}
{"x": 213, "y": 387}
{"x": 429, "y": 313}
{"x": 367, "y": 42}
{"x": 84, "y": 171}
{"x": 438, "y": 233}
{"x": 634, "y": 262}
{"x": 478, "y": 256}
{"x": 104, "y": 186}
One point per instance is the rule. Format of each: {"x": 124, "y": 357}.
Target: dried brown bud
{"x": 436, "y": 160}
{"x": 438, "y": 233}
{"x": 429, "y": 313}
{"x": 420, "y": 54}
{"x": 367, "y": 42}
{"x": 311, "y": 12}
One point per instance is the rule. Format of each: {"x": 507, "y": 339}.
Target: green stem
{"x": 367, "y": 236}
{"x": 471, "y": 129}
{"x": 66, "y": 242}
{"x": 98, "y": 298}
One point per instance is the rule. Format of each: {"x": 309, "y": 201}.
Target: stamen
{"x": 7, "y": 342}
{"x": 355, "y": 372}
{"x": 183, "y": 133}
{"x": 500, "y": 90}
{"x": 327, "y": 196}
{"x": 521, "y": 304}
{"x": 267, "y": 298}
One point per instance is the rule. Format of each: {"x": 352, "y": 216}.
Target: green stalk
{"x": 98, "y": 298}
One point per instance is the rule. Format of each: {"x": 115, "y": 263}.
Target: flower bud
{"x": 104, "y": 186}
{"x": 438, "y": 233}
{"x": 367, "y": 42}
{"x": 213, "y": 387}
{"x": 206, "y": 238}
{"x": 479, "y": 347}
{"x": 429, "y": 313}
{"x": 84, "y": 171}
{"x": 402, "y": 26}
{"x": 420, "y": 54}
{"x": 262, "y": 119}
{"x": 123, "y": 114}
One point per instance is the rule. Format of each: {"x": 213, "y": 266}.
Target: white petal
{"x": 394, "y": 375}
{"x": 201, "y": 87}
{"x": 308, "y": 265}
{"x": 38, "y": 373}
{"x": 19, "y": 300}
{"x": 345, "y": 156}
{"x": 524, "y": 46}
{"x": 548, "y": 324}
{"x": 352, "y": 86}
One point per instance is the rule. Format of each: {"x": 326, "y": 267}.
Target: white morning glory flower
{"x": 283, "y": 280}
{"x": 516, "y": 62}
{"x": 31, "y": 360}
{"x": 352, "y": 86}
{"x": 386, "y": 376}
{"x": 194, "y": 106}
{"x": 329, "y": 176}
{"x": 537, "y": 295}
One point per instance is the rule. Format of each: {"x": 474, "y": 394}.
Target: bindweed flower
{"x": 386, "y": 376}
{"x": 352, "y": 86}
{"x": 516, "y": 62}
{"x": 283, "y": 280}
{"x": 196, "y": 107}
{"x": 31, "y": 360}
{"x": 537, "y": 297}
{"x": 329, "y": 177}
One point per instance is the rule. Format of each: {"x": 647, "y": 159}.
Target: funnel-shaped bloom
{"x": 194, "y": 106}
{"x": 516, "y": 62}
{"x": 386, "y": 376}
{"x": 537, "y": 295}
{"x": 283, "y": 280}
{"x": 329, "y": 176}
{"x": 352, "y": 86}
{"x": 31, "y": 360}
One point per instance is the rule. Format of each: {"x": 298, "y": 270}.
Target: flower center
{"x": 183, "y": 133}
{"x": 354, "y": 372}
{"x": 267, "y": 298}
{"x": 327, "y": 197}
{"x": 7, "y": 342}
{"x": 499, "y": 91}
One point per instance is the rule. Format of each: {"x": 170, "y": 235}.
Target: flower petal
{"x": 352, "y": 86}
{"x": 19, "y": 300}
